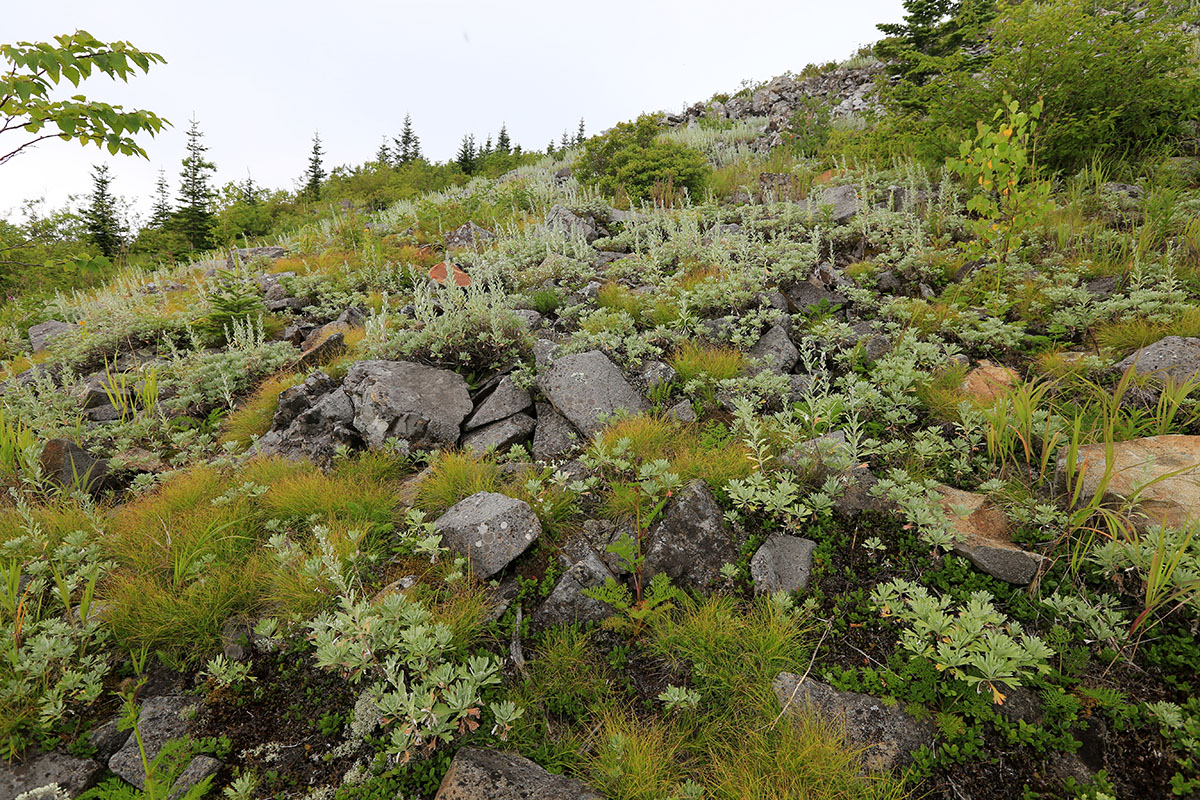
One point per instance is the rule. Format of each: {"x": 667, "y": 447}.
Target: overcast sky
{"x": 262, "y": 77}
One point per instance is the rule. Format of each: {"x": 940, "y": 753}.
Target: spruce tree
{"x": 550, "y": 148}
{"x": 315, "y": 174}
{"x": 383, "y": 156}
{"x": 160, "y": 212}
{"x": 487, "y": 146}
{"x": 565, "y": 142}
{"x": 503, "y": 144}
{"x": 466, "y": 154}
{"x": 194, "y": 218}
{"x": 579, "y": 134}
{"x": 408, "y": 146}
{"x": 100, "y": 217}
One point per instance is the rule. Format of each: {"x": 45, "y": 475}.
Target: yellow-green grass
{"x": 1127, "y": 335}
{"x": 253, "y": 417}
{"x": 943, "y": 393}
{"x": 712, "y": 362}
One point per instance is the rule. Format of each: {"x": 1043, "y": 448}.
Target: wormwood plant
{"x": 975, "y": 643}
{"x": 53, "y": 664}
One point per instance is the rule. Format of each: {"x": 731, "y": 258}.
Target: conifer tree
{"x": 579, "y": 134}
{"x": 194, "y": 217}
{"x": 383, "y": 156}
{"x": 466, "y": 154}
{"x": 487, "y": 146}
{"x": 550, "y": 148}
{"x": 100, "y": 217}
{"x": 408, "y": 146}
{"x": 503, "y": 143}
{"x": 565, "y": 142}
{"x": 315, "y": 175}
{"x": 160, "y": 212}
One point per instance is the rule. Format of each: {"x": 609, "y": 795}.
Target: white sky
{"x": 261, "y": 77}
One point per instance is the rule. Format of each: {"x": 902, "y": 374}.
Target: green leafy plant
{"x": 973, "y": 642}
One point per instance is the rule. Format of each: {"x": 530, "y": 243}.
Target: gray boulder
{"x": 782, "y": 564}
{"x": 490, "y": 529}
{"x": 421, "y": 405}
{"x": 244, "y": 255}
{"x": 689, "y": 542}
{"x": 567, "y": 602}
{"x": 69, "y": 465}
{"x": 843, "y": 202}
{"x": 806, "y": 294}
{"x": 554, "y": 436}
{"x": 477, "y": 774}
{"x": 198, "y": 769}
{"x": 468, "y": 235}
{"x": 561, "y": 220}
{"x": 1175, "y": 356}
{"x": 311, "y": 421}
{"x": 888, "y": 735}
{"x": 108, "y": 738}
{"x": 41, "y": 335}
{"x": 72, "y": 774}
{"x": 587, "y": 389}
{"x": 159, "y": 722}
{"x": 504, "y": 401}
{"x": 776, "y": 350}
{"x": 501, "y": 435}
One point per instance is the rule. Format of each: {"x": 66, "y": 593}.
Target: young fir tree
{"x": 466, "y": 154}
{"x": 487, "y": 146}
{"x": 315, "y": 175}
{"x": 250, "y": 192}
{"x": 503, "y": 143}
{"x": 550, "y": 148}
{"x": 383, "y": 156}
{"x": 579, "y": 134}
{"x": 194, "y": 218}
{"x": 160, "y": 212}
{"x": 100, "y": 217}
{"x": 565, "y": 141}
{"x": 408, "y": 146}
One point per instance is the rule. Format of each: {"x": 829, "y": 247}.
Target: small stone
{"x": 554, "y": 436}
{"x": 69, "y": 465}
{"x": 782, "y": 563}
{"x": 988, "y": 381}
{"x": 567, "y": 602}
{"x": 1176, "y": 357}
{"x": 689, "y": 542}
{"x": 477, "y": 774}
{"x": 984, "y": 537}
{"x": 198, "y": 769}
{"x": 776, "y": 350}
{"x": 159, "y": 722}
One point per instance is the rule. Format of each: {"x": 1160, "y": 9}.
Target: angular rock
{"x": 682, "y": 412}
{"x": 804, "y": 295}
{"x": 42, "y": 334}
{"x": 198, "y": 769}
{"x": 561, "y": 220}
{"x": 468, "y": 235}
{"x": 69, "y": 465}
{"x": 656, "y": 373}
{"x": 501, "y": 435}
{"x": 588, "y": 389}
{"x": 988, "y": 381}
{"x": 1164, "y": 472}
{"x": 689, "y": 542}
{"x": 504, "y": 401}
{"x": 842, "y": 201}
{"x": 857, "y": 498}
{"x": 1176, "y": 357}
{"x": 421, "y": 405}
{"x": 108, "y": 739}
{"x": 776, "y": 350}
{"x": 244, "y": 255}
{"x": 567, "y": 602}
{"x": 490, "y": 529}
{"x": 311, "y": 421}
{"x": 888, "y": 734}
{"x": 984, "y": 537}
{"x": 72, "y": 774}
{"x": 554, "y": 435}
{"x": 323, "y": 351}
{"x": 477, "y": 774}
{"x": 159, "y": 722}
{"x": 544, "y": 352}
{"x": 782, "y": 563}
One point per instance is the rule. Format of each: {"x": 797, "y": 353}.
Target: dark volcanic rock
{"x": 490, "y": 529}
{"x": 477, "y": 774}
{"x": 422, "y": 405}
{"x": 501, "y": 435}
{"x": 587, "y": 389}
{"x": 41, "y": 335}
{"x": 69, "y": 465}
{"x": 72, "y": 774}
{"x": 689, "y": 542}
{"x": 782, "y": 563}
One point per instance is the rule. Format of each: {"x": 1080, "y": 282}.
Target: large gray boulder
{"x": 311, "y": 421}
{"x": 477, "y": 774}
{"x": 504, "y": 401}
{"x": 689, "y": 542}
{"x": 41, "y": 335}
{"x": 72, "y": 774}
{"x": 587, "y": 389}
{"x": 1177, "y": 357}
{"x": 567, "y": 602}
{"x": 888, "y": 735}
{"x": 782, "y": 564}
{"x": 490, "y": 529}
{"x": 159, "y": 721}
{"x": 561, "y": 220}
{"x": 421, "y": 405}
{"x": 468, "y": 235}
